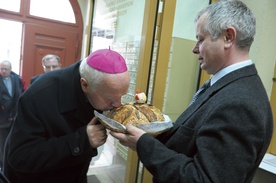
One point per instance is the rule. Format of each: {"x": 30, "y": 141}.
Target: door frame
{"x": 142, "y": 79}
{"x": 164, "y": 28}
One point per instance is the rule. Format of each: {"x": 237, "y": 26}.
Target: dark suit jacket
{"x": 34, "y": 78}
{"x": 48, "y": 141}
{"x": 222, "y": 137}
{"x": 8, "y": 104}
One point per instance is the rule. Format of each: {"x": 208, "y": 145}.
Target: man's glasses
{"x": 51, "y": 67}
{"x": 5, "y": 69}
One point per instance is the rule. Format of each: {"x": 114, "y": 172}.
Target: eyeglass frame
{"x": 53, "y": 67}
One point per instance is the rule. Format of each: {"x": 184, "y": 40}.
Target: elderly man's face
{"x": 51, "y": 65}
{"x": 5, "y": 69}
{"x": 109, "y": 93}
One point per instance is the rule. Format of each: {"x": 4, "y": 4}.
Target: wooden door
{"x": 41, "y": 40}
{"x": 41, "y": 34}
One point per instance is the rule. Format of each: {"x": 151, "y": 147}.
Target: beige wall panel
{"x": 182, "y": 77}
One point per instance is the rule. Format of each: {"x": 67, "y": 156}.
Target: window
{"x": 60, "y": 10}
{"x": 10, "y": 44}
{"x": 11, "y": 5}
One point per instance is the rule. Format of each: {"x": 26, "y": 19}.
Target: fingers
{"x": 96, "y": 133}
{"x": 95, "y": 124}
{"x": 97, "y": 140}
{"x": 133, "y": 130}
{"x": 93, "y": 121}
{"x": 117, "y": 135}
{"x": 104, "y": 138}
{"x": 130, "y": 128}
{"x": 130, "y": 138}
{"x": 125, "y": 139}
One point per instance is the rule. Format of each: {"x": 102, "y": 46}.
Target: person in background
{"x": 224, "y": 134}
{"x": 11, "y": 87}
{"x": 54, "y": 137}
{"x": 49, "y": 63}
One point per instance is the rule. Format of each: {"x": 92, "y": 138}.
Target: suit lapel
{"x": 211, "y": 91}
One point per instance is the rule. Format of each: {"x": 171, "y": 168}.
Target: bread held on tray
{"x": 137, "y": 112}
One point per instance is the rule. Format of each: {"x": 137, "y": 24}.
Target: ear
{"x": 229, "y": 36}
{"x": 84, "y": 85}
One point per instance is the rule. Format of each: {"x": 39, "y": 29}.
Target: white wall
{"x": 263, "y": 48}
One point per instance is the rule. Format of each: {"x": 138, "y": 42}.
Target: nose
{"x": 195, "y": 50}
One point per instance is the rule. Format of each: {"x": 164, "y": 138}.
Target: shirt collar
{"x": 229, "y": 69}
{"x": 7, "y": 78}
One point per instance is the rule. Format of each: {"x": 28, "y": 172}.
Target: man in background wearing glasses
{"x": 49, "y": 63}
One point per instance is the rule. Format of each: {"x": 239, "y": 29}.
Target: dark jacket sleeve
{"x": 226, "y": 147}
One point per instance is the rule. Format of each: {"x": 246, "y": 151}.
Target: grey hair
{"x": 6, "y": 61}
{"x": 48, "y": 57}
{"x": 93, "y": 76}
{"x": 230, "y": 13}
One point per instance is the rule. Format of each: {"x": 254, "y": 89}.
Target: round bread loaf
{"x": 135, "y": 114}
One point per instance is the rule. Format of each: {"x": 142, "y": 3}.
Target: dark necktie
{"x": 201, "y": 90}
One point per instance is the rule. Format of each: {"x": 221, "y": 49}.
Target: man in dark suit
{"x": 11, "y": 87}
{"x": 50, "y": 62}
{"x": 224, "y": 134}
{"x": 54, "y": 138}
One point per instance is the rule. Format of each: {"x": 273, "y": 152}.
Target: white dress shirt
{"x": 229, "y": 69}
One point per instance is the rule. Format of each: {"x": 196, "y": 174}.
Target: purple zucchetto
{"x": 106, "y": 60}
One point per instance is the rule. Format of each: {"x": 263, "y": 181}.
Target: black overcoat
{"x": 48, "y": 141}
{"x": 8, "y": 104}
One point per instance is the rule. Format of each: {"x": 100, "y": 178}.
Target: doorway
{"x": 41, "y": 32}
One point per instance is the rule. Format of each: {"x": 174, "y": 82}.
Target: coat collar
{"x": 71, "y": 96}
{"x": 69, "y": 88}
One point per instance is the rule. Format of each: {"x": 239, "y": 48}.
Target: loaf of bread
{"x": 136, "y": 113}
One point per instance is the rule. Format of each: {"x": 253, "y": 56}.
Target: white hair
{"x": 93, "y": 76}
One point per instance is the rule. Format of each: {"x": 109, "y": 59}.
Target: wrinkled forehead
{"x": 115, "y": 85}
{"x": 51, "y": 61}
{"x": 5, "y": 65}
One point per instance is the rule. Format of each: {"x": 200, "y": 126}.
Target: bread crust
{"x": 135, "y": 114}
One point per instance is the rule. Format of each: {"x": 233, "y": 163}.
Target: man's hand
{"x": 96, "y": 133}
{"x": 130, "y": 138}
